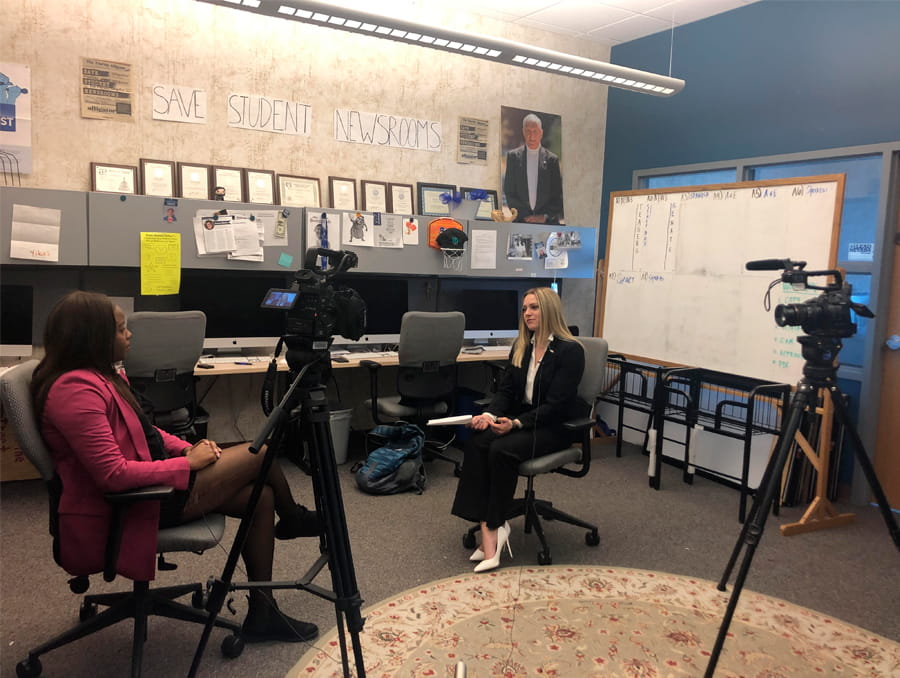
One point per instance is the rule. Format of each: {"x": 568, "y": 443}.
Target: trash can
{"x": 340, "y": 433}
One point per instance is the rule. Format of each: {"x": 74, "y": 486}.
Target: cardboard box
{"x": 13, "y": 464}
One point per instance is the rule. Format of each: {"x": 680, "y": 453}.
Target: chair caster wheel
{"x": 86, "y": 611}
{"x": 544, "y": 558}
{"x": 468, "y": 540}
{"x": 457, "y": 471}
{"x": 29, "y": 668}
{"x": 232, "y": 646}
{"x": 592, "y": 538}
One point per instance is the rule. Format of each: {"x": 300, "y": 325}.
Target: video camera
{"x": 316, "y": 308}
{"x": 827, "y": 315}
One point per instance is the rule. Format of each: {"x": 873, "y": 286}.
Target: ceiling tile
{"x": 637, "y": 26}
{"x": 579, "y": 16}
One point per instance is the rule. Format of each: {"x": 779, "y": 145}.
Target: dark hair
{"x": 80, "y": 334}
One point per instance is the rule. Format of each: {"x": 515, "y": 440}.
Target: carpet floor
{"x": 569, "y": 621}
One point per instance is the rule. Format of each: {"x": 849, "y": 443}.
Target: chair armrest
{"x": 158, "y": 492}
{"x": 579, "y": 424}
{"x": 373, "y": 367}
{"x": 120, "y": 502}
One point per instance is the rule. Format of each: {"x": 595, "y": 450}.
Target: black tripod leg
{"x": 752, "y": 530}
{"x": 837, "y": 399}
{"x": 755, "y": 507}
{"x": 330, "y": 505}
{"x": 222, "y": 585}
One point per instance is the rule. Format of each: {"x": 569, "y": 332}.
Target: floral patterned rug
{"x": 596, "y": 621}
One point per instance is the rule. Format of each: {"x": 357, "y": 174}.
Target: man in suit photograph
{"x": 532, "y": 183}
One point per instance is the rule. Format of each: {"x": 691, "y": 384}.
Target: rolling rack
{"x": 630, "y": 385}
{"x": 696, "y": 399}
{"x": 725, "y": 404}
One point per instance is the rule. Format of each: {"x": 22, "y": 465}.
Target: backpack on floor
{"x": 397, "y": 465}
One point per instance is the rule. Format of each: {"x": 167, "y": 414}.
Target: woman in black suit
{"x": 537, "y": 393}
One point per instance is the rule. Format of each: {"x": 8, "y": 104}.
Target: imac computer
{"x": 16, "y": 319}
{"x": 235, "y": 321}
{"x": 492, "y": 309}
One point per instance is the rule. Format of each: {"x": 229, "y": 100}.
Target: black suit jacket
{"x": 555, "y": 396}
{"x": 549, "y": 199}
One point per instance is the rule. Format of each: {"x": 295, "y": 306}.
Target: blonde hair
{"x": 552, "y": 322}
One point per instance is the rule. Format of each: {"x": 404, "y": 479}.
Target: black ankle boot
{"x": 300, "y": 522}
{"x": 270, "y": 624}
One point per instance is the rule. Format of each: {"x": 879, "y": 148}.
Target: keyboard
{"x": 232, "y": 359}
{"x": 365, "y": 355}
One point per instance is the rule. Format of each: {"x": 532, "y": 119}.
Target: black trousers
{"x": 490, "y": 471}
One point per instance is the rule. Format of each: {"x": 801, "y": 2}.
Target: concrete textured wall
{"x": 223, "y": 50}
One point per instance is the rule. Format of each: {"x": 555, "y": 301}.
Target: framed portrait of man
{"x": 530, "y": 165}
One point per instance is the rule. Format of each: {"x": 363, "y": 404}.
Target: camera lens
{"x": 790, "y": 314}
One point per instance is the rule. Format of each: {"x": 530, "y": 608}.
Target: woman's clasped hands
{"x": 500, "y": 426}
{"x": 202, "y": 454}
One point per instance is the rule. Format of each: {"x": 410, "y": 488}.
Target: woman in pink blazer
{"x": 101, "y": 442}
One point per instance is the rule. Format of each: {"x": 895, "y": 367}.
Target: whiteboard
{"x": 675, "y": 289}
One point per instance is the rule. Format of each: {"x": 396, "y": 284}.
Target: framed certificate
{"x": 157, "y": 177}
{"x": 400, "y": 199}
{"x": 374, "y": 196}
{"x": 260, "y": 186}
{"x": 487, "y": 205}
{"x": 106, "y": 178}
{"x": 193, "y": 181}
{"x": 232, "y": 180}
{"x": 298, "y": 191}
{"x": 342, "y": 193}
{"x": 430, "y": 203}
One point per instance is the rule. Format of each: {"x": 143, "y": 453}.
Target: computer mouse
{"x": 339, "y": 359}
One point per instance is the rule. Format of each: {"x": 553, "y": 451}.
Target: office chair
{"x": 165, "y": 348}
{"x": 579, "y": 454}
{"x": 426, "y": 376}
{"x": 141, "y": 601}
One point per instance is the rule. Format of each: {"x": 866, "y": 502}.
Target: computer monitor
{"x": 16, "y": 319}
{"x": 387, "y": 299}
{"x": 490, "y": 314}
{"x": 492, "y": 308}
{"x": 232, "y": 302}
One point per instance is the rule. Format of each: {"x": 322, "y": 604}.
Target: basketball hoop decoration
{"x": 452, "y": 243}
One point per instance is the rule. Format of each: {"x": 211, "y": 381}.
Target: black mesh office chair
{"x": 574, "y": 461}
{"x": 426, "y": 377}
{"x": 165, "y": 348}
{"x": 141, "y": 601}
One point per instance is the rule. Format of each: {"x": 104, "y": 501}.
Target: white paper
{"x": 484, "y": 248}
{"x": 388, "y": 233}
{"x": 450, "y": 421}
{"x": 35, "y": 233}
{"x": 410, "y": 231}
{"x": 219, "y": 239}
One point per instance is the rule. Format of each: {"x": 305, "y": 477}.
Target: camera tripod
{"x": 304, "y": 408}
{"x": 819, "y": 372}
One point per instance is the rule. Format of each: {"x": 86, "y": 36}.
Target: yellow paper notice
{"x": 160, "y": 263}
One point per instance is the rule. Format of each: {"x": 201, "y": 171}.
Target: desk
{"x": 229, "y": 368}
{"x": 235, "y": 413}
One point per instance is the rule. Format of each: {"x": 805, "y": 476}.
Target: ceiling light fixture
{"x": 472, "y": 44}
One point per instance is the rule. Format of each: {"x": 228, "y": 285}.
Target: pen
{"x": 241, "y": 362}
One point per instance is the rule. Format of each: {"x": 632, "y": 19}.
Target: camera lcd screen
{"x": 281, "y": 299}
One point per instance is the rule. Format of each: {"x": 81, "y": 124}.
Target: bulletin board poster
{"x": 15, "y": 118}
{"x": 106, "y": 90}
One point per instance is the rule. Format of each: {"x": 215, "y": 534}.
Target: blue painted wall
{"x": 770, "y": 78}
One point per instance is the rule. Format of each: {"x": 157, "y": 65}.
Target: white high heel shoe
{"x": 478, "y": 554}
{"x": 502, "y": 540}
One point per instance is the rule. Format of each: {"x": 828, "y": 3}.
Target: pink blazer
{"x": 98, "y": 446}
